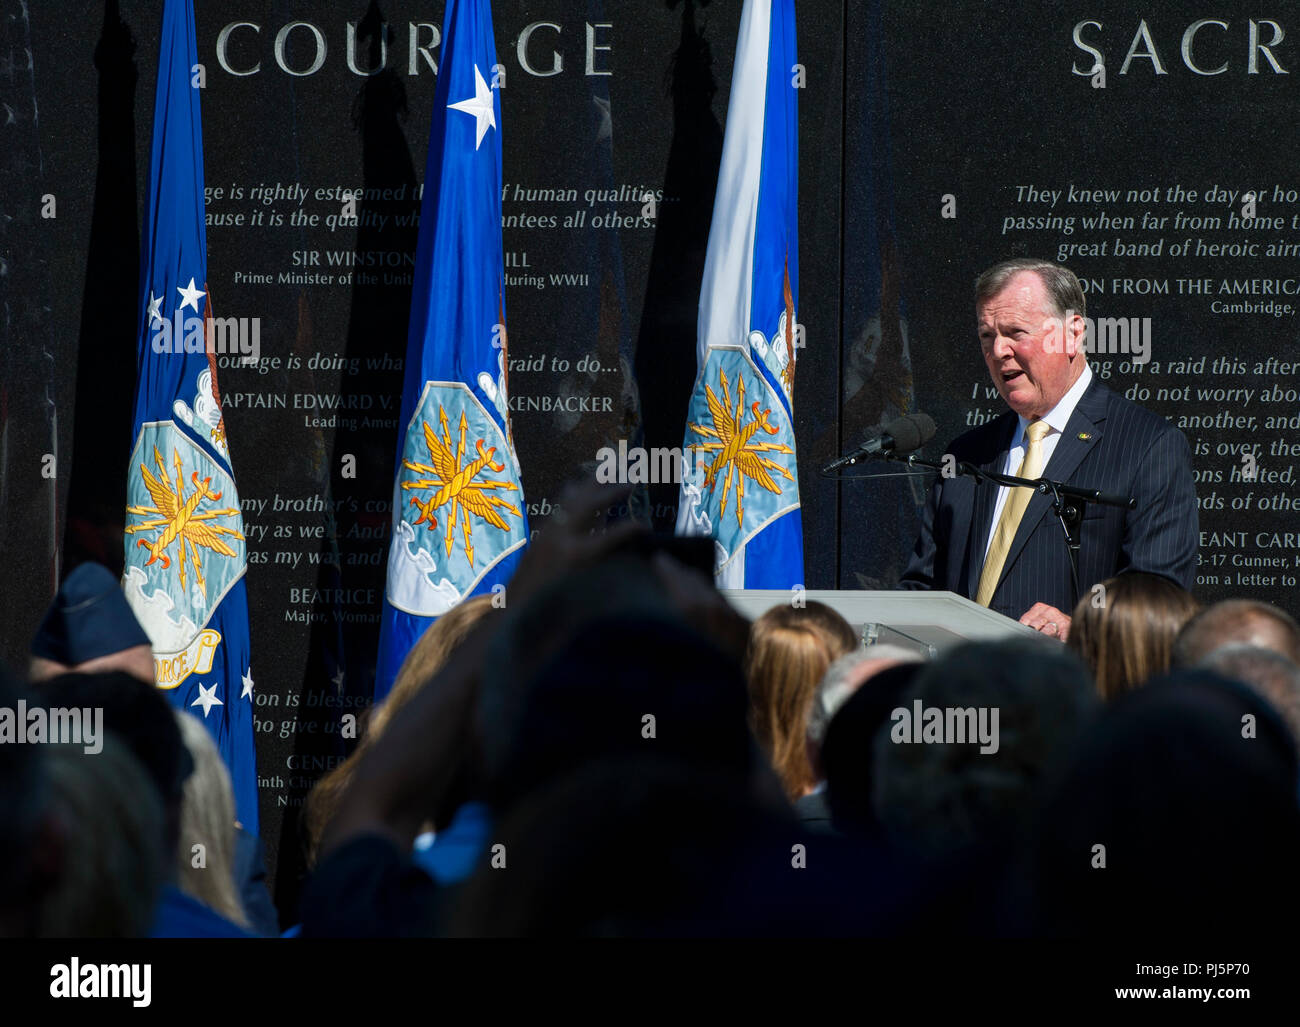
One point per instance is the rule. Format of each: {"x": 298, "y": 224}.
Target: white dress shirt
{"x": 1056, "y": 419}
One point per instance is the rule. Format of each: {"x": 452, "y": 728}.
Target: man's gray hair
{"x": 834, "y": 689}
{"x": 1237, "y": 621}
{"x": 1062, "y": 286}
{"x": 1267, "y": 673}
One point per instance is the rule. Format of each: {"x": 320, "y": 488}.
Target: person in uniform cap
{"x": 91, "y": 628}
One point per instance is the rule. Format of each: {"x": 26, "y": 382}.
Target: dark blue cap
{"x": 89, "y": 618}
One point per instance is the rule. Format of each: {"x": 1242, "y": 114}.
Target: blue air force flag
{"x": 185, "y": 551}
{"x": 743, "y": 489}
{"x": 459, "y": 520}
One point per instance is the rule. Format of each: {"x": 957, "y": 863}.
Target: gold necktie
{"x": 1014, "y": 508}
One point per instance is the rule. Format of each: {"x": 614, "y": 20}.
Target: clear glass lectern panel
{"x": 874, "y": 633}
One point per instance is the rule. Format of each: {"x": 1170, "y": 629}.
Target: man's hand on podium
{"x": 1048, "y": 620}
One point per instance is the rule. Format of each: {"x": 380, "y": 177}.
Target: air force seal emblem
{"x": 183, "y": 513}
{"x": 738, "y": 428}
{"x": 455, "y": 512}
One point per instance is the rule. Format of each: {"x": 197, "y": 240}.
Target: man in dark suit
{"x": 1003, "y": 547}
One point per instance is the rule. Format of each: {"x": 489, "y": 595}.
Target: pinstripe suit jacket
{"x": 1127, "y": 450}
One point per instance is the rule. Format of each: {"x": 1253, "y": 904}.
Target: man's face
{"x": 1031, "y": 359}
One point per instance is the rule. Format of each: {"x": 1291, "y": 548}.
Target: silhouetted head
{"x": 848, "y": 750}
{"x": 1240, "y": 622}
{"x": 139, "y": 715}
{"x": 842, "y": 679}
{"x": 1177, "y": 817}
{"x": 963, "y": 756}
{"x": 1270, "y": 674}
{"x": 623, "y": 686}
{"x": 113, "y": 864}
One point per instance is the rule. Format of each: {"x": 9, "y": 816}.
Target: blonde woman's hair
{"x": 1124, "y": 629}
{"x": 424, "y": 660}
{"x": 207, "y": 820}
{"x": 114, "y": 864}
{"x": 789, "y": 651}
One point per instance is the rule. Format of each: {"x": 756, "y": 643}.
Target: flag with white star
{"x": 459, "y": 520}
{"x": 185, "y": 549}
{"x": 742, "y": 489}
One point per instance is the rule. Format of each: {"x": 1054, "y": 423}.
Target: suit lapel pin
{"x": 1084, "y": 436}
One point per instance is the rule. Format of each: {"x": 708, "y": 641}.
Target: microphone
{"x": 902, "y": 435}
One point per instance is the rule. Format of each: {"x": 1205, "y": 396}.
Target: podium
{"x": 927, "y": 622}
